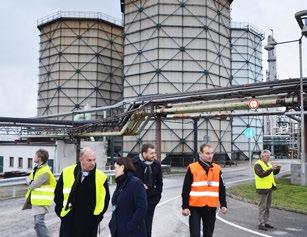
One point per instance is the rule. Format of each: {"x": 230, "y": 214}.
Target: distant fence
{"x": 16, "y": 187}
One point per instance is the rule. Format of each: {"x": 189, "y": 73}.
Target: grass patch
{"x": 287, "y": 196}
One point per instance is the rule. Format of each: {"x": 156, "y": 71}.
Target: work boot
{"x": 262, "y": 227}
{"x": 269, "y": 226}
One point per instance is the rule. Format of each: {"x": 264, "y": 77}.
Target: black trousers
{"x": 207, "y": 215}
{"x": 149, "y": 218}
{"x": 73, "y": 227}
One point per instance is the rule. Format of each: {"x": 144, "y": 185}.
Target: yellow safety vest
{"x": 68, "y": 181}
{"x": 264, "y": 182}
{"x": 42, "y": 196}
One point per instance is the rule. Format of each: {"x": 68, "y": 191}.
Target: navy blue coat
{"x": 129, "y": 209}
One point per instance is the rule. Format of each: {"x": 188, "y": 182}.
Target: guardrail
{"x": 79, "y": 14}
{"x": 14, "y": 186}
{"x": 22, "y": 180}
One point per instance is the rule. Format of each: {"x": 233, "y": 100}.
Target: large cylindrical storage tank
{"x": 80, "y": 62}
{"x": 177, "y": 46}
{"x": 246, "y": 61}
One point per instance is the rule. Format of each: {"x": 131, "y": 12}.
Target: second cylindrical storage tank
{"x": 246, "y": 59}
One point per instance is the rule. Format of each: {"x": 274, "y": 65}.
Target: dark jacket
{"x": 188, "y": 180}
{"x": 80, "y": 221}
{"x": 129, "y": 206}
{"x": 154, "y": 182}
{"x": 261, "y": 173}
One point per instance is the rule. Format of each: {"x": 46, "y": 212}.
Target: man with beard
{"x": 148, "y": 169}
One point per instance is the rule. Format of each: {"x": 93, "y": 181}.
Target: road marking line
{"x": 238, "y": 226}
{"x": 241, "y": 227}
{"x": 217, "y": 216}
{"x": 221, "y": 219}
{"x": 167, "y": 201}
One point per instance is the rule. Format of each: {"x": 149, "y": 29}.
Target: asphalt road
{"x": 240, "y": 221}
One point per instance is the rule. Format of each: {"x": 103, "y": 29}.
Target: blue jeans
{"x": 40, "y": 226}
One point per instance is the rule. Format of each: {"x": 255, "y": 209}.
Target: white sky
{"x": 19, "y": 41}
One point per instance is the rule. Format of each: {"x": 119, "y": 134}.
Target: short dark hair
{"x": 201, "y": 148}
{"x": 146, "y": 146}
{"x": 126, "y": 162}
{"x": 43, "y": 154}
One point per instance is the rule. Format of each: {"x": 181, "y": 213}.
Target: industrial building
{"x": 90, "y": 60}
{"x": 246, "y": 68}
{"x": 80, "y": 62}
{"x": 19, "y": 155}
{"x": 281, "y": 133}
{"x": 175, "y": 47}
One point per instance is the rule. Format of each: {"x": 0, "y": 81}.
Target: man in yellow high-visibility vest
{"x": 40, "y": 193}
{"x": 265, "y": 184}
{"x": 81, "y": 197}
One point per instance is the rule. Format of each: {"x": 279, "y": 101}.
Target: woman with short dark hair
{"x": 129, "y": 202}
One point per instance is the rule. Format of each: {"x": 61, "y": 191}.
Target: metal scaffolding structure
{"x": 132, "y": 115}
{"x": 172, "y": 47}
{"x": 80, "y": 62}
{"x": 281, "y": 134}
{"x": 246, "y": 66}
{"x": 180, "y": 75}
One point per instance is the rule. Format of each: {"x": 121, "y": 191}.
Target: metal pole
{"x": 195, "y": 130}
{"x": 112, "y": 152}
{"x": 158, "y": 137}
{"x": 78, "y": 147}
{"x": 250, "y": 160}
{"x": 303, "y": 176}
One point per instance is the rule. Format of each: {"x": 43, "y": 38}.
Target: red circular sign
{"x": 253, "y": 104}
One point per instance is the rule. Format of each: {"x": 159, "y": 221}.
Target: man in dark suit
{"x": 81, "y": 197}
{"x": 148, "y": 169}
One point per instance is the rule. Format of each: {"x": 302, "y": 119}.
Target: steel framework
{"x": 246, "y": 66}
{"x": 216, "y": 102}
{"x": 174, "y": 47}
{"x": 80, "y": 62}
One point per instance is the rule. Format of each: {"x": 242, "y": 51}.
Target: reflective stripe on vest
{"x": 42, "y": 196}
{"x": 205, "y": 188}
{"x": 68, "y": 181}
{"x": 264, "y": 182}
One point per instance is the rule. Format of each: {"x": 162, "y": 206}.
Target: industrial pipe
{"x": 265, "y": 102}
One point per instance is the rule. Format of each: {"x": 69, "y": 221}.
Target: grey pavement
{"x": 241, "y": 219}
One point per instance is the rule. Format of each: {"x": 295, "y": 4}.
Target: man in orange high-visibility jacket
{"x": 203, "y": 192}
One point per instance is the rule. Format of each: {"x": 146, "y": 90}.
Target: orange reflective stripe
{"x": 205, "y": 188}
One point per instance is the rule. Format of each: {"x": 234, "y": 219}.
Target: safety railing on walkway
{"x": 79, "y": 14}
